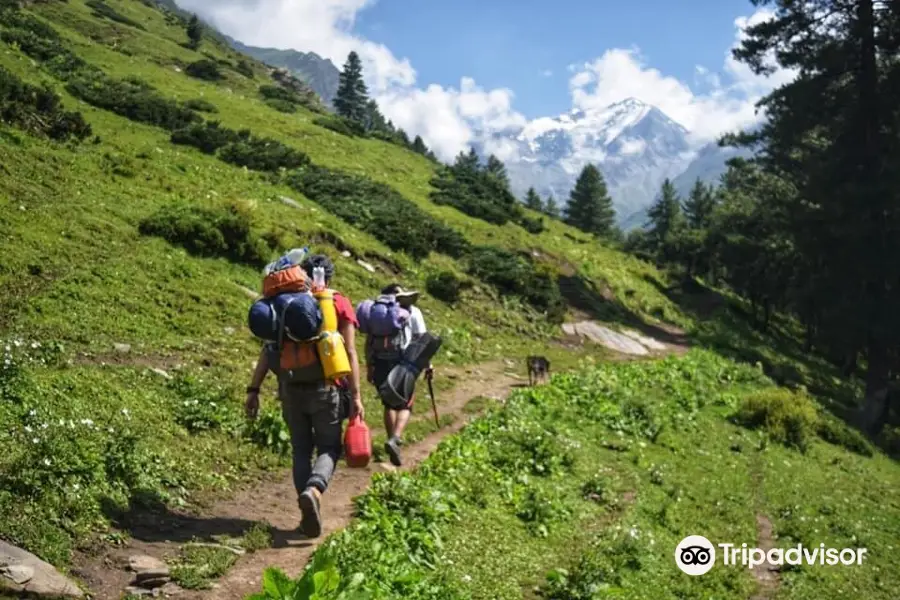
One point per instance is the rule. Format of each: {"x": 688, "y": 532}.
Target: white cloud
{"x": 622, "y": 73}
{"x": 547, "y": 73}
{"x": 449, "y": 119}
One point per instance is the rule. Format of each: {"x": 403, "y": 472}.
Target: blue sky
{"x": 461, "y": 71}
{"x": 509, "y": 43}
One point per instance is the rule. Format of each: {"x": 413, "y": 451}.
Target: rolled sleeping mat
{"x": 400, "y": 384}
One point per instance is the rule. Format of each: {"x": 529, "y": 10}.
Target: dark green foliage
{"x": 517, "y": 275}
{"x": 446, "y": 286}
{"x": 201, "y": 105}
{"x": 379, "y": 210}
{"x": 281, "y": 105}
{"x": 351, "y": 100}
{"x": 243, "y": 67}
{"x": 194, "y": 32}
{"x": 205, "y": 69}
{"x": 38, "y": 110}
{"x": 208, "y": 137}
{"x": 131, "y": 98}
{"x": 262, "y": 154}
{"x": 105, "y": 11}
{"x": 479, "y": 192}
{"x": 40, "y": 42}
{"x": 551, "y": 208}
{"x": 590, "y": 207}
{"x": 341, "y": 125}
{"x": 530, "y": 225}
{"x": 533, "y": 201}
{"x": 276, "y": 92}
{"x": 698, "y": 208}
{"x": 212, "y": 232}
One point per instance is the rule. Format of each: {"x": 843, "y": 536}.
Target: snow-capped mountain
{"x": 635, "y": 145}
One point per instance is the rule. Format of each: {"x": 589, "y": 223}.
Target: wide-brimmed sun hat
{"x": 400, "y": 293}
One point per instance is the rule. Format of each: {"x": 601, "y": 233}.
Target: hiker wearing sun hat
{"x": 391, "y": 323}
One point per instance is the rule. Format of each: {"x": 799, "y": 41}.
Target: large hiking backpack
{"x": 383, "y": 320}
{"x": 289, "y": 319}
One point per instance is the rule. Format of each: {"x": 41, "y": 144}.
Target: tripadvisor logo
{"x": 696, "y": 555}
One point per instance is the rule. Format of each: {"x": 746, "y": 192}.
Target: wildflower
{"x": 35, "y": 441}
{"x": 47, "y": 462}
{"x": 28, "y": 429}
{"x": 125, "y": 411}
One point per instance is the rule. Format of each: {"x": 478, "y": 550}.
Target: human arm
{"x": 256, "y": 380}
{"x": 348, "y": 332}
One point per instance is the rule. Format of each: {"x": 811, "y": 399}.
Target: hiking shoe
{"x": 311, "y": 523}
{"x": 392, "y": 447}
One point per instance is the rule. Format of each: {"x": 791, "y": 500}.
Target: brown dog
{"x": 538, "y": 369}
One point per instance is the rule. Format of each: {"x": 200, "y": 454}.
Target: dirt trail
{"x": 274, "y": 500}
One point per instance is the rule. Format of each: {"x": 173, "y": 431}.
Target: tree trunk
{"x": 874, "y": 411}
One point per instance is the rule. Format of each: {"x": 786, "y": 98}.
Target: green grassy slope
{"x": 92, "y": 422}
{"x": 583, "y": 488}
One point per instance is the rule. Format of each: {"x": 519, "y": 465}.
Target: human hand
{"x": 357, "y": 408}
{"x": 251, "y": 405}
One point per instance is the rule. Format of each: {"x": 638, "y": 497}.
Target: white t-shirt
{"x": 414, "y": 326}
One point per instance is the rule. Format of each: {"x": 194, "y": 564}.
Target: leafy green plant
{"x": 269, "y": 430}
{"x": 103, "y": 10}
{"x": 446, "y": 286}
{"x": 377, "y": 209}
{"x": 223, "y": 231}
{"x": 201, "y": 105}
{"x": 205, "y": 69}
{"x": 196, "y": 567}
{"x": 341, "y": 125}
{"x": 38, "y": 110}
{"x": 132, "y": 98}
{"x": 787, "y": 417}
{"x": 202, "y": 406}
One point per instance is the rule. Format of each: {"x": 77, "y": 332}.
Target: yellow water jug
{"x": 333, "y": 355}
{"x": 329, "y": 313}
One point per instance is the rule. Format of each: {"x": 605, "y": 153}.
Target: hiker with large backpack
{"x": 391, "y": 322}
{"x": 309, "y": 333}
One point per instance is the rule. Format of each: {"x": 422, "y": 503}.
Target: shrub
{"x": 131, "y": 98}
{"x": 39, "y": 41}
{"x": 262, "y": 154}
{"x": 276, "y": 92}
{"x": 787, "y": 417}
{"x": 201, "y": 105}
{"x": 530, "y": 225}
{"x": 475, "y": 192}
{"x": 838, "y": 433}
{"x": 38, "y": 110}
{"x": 281, "y": 105}
{"x": 378, "y": 210}
{"x": 514, "y": 274}
{"x": 209, "y": 232}
{"x": 243, "y": 67}
{"x": 105, "y": 11}
{"x": 208, "y": 137}
{"x": 446, "y": 286}
{"x": 205, "y": 69}
{"x": 341, "y": 125}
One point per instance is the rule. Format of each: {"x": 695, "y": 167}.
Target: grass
{"x": 128, "y": 353}
{"x": 583, "y": 488}
{"x": 125, "y": 311}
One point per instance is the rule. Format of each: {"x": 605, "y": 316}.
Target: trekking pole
{"x": 429, "y": 375}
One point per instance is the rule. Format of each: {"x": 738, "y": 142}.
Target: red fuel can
{"x": 357, "y": 443}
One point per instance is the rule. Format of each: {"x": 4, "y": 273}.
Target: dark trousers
{"x": 312, "y": 413}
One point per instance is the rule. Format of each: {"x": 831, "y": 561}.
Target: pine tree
{"x": 551, "y": 208}
{"x": 194, "y": 32}
{"x": 665, "y": 214}
{"x": 533, "y": 201}
{"x": 496, "y": 167}
{"x": 467, "y": 162}
{"x": 374, "y": 119}
{"x": 419, "y": 146}
{"x": 699, "y": 205}
{"x": 590, "y": 207}
{"x": 352, "y": 98}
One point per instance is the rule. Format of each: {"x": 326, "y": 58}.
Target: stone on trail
{"x": 290, "y": 201}
{"x": 366, "y": 266}
{"x": 649, "y": 342}
{"x": 141, "y": 562}
{"x": 122, "y": 348}
{"x": 607, "y": 337}
{"x": 23, "y": 572}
